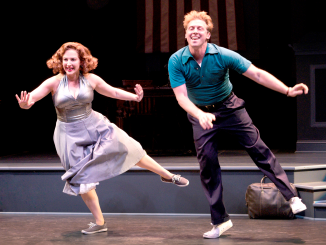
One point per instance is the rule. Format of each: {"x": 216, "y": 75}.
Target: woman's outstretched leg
{"x": 91, "y": 200}
{"x": 150, "y": 164}
{"x": 166, "y": 176}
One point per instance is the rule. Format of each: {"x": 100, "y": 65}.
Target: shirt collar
{"x": 211, "y": 49}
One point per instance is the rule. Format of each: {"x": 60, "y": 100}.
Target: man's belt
{"x": 213, "y": 107}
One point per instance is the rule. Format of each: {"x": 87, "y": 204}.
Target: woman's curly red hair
{"x": 87, "y": 61}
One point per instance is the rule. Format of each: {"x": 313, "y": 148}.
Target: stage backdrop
{"x": 160, "y": 23}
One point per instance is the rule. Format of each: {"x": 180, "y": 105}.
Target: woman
{"x": 91, "y": 149}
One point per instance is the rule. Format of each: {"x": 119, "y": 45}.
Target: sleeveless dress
{"x": 90, "y": 147}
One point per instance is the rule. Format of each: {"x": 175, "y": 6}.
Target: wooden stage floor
{"x": 152, "y": 229}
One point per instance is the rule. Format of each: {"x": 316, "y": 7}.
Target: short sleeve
{"x": 234, "y": 61}
{"x": 176, "y": 72}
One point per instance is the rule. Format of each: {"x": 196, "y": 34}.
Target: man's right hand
{"x": 206, "y": 119}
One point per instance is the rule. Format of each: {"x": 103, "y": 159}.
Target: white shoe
{"x": 218, "y": 230}
{"x": 297, "y": 205}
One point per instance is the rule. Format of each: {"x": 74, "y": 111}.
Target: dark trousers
{"x": 233, "y": 117}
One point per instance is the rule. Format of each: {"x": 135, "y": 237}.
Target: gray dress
{"x": 90, "y": 147}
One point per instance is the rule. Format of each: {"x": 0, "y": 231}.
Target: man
{"x": 200, "y": 80}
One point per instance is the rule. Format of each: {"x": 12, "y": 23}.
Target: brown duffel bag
{"x": 265, "y": 201}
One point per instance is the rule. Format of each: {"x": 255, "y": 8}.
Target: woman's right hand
{"x": 24, "y": 100}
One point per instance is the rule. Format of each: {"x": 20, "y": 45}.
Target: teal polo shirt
{"x": 210, "y": 83}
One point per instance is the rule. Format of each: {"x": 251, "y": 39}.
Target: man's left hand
{"x": 297, "y": 90}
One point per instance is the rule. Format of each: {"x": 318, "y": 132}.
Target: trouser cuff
{"x": 220, "y": 221}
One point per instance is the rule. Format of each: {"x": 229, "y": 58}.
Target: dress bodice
{"x": 68, "y": 108}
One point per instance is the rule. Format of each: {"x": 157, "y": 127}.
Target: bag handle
{"x": 262, "y": 182}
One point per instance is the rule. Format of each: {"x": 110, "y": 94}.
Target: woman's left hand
{"x": 139, "y": 93}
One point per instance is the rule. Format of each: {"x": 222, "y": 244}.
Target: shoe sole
{"x": 176, "y": 184}
{"x": 92, "y": 232}
{"x": 299, "y": 210}
{"x": 183, "y": 185}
